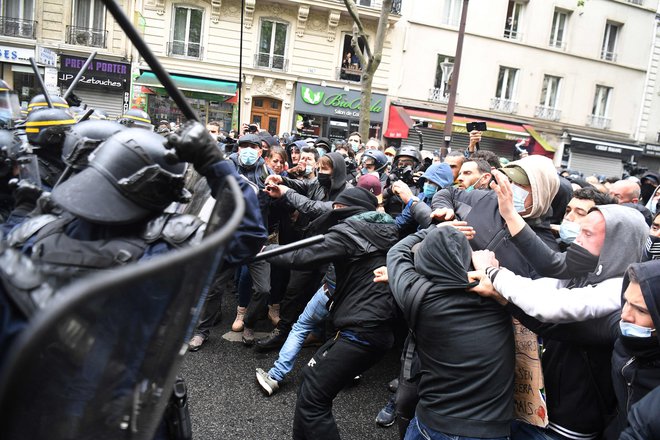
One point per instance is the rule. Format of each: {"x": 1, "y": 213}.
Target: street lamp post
{"x": 449, "y": 119}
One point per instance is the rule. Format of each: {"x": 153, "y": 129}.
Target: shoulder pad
{"x": 180, "y": 228}
{"x": 21, "y": 233}
{"x": 153, "y": 230}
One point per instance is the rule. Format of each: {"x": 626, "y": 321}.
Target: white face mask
{"x": 519, "y": 196}
{"x": 568, "y": 231}
{"x": 634, "y": 330}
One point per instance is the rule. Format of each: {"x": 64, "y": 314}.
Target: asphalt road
{"x": 227, "y": 403}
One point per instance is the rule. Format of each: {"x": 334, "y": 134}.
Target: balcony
{"x": 376, "y": 4}
{"x": 548, "y": 113}
{"x": 599, "y": 122}
{"x": 557, "y": 44}
{"x": 15, "y": 27}
{"x": 272, "y": 62}
{"x": 607, "y": 55}
{"x": 503, "y": 105}
{"x": 352, "y": 73}
{"x": 437, "y": 94}
{"x": 183, "y": 49}
{"x": 81, "y": 36}
{"x": 512, "y": 34}
{"x": 636, "y": 2}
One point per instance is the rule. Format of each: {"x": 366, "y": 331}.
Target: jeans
{"x": 314, "y": 313}
{"x": 418, "y": 431}
{"x": 524, "y": 431}
{"x": 333, "y": 367}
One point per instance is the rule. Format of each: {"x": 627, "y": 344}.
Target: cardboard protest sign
{"x": 528, "y": 396}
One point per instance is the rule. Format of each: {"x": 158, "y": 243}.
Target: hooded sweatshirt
{"x": 466, "y": 384}
{"x": 544, "y": 181}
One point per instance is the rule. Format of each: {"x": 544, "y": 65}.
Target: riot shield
{"x": 100, "y": 361}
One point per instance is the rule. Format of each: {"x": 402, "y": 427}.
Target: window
{"x": 547, "y": 108}
{"x": 608, "y": 51}
{"x": 351, "y": 70}
{"x": 601, "y": 101}
{"x": 88, "y": 28}
{"x": 451, "y": 15}
{"x": 558, "y": 31}
{"x": 16, "y": 18}
{"x": 272, "y": 45}
{"x": 514, "y": 15}
{"x": 187, "y": 32}
{"x": 506, "y": 83}
{"x": 442, "y": 83}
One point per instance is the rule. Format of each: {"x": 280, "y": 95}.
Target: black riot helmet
{"x": 129, "y": 179}
{"x": 47, "y": 128}
{"x": 136, "y": 118}
{"x": 83, "y": 138}
{"x": 10, "y": 145}
{"x": 409, "y": 151}
{"x": 380, "y": 160}
{"x": 39, "y": 103}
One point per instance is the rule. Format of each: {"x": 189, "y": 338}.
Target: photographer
{"x": 405, "y": 168}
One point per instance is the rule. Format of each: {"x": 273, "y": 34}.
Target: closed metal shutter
{"x": 111, "y": 103}
{"x": 591, "y": 165}
{"x": 434, "y": 140}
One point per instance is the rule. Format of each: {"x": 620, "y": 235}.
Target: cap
{"x": 249, "y": 138}
{"x": 371, "y": 183}
{"x": 516, "y": 174}
{"x": 390, "y": 151}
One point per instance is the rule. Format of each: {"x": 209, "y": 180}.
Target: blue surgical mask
{"x": 364, "y": 171}
{"x": 471, "y": 187}
{"x": 308, "y": 170}
{"x": 519, "y": 196}
{"x": 321, "y": 152}
{"x": 355, "y": 146}
{"x": 248, "y": 156}
{"x": 568, "y": 231}
{"x": 430, "y": 190}
{"x": 634, "y": 330}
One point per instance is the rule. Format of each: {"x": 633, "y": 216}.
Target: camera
{"x": 478, "y": 126}
{"x": 253, "y": 128}
{"x": 404, "y": 174}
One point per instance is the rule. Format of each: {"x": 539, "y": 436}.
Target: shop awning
{"x": 398, "y": 123}
{"x": 539, "y": 139}
{"x": 195, "y": 87}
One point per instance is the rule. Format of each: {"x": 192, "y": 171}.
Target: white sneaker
{"x": 269, "y": 384}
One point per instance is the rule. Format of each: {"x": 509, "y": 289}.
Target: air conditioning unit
{"x": 83, "y": 38}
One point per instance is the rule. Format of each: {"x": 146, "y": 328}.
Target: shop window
{"x": 271, "y": 52}
{"x": 17, "y": 18}
{"x": 88, "y": 24}
{"x": 608, "y": 50}
{"x": 558, "y": 31}
{"x": 451, "y": 13}
{"x": 351, "y": 69}
{"x": 514, "y": 15}
{"x": 186, "y": 32}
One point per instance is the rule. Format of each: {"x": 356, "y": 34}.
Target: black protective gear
{"x": 136, "y": 118}
{"x": 83, "y": 138}
{"x": 128, "y": 179}
{"x": 379, "y": 158}
{"x": 39, "y": 103}
{"x": 47, "y": 128}
{"x": 10, "y": 145}
{"x": 193, "y": 143}
{"x": 410, "y": 151}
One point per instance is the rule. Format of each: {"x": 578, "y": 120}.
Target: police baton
{"x": 285, "y": 248}
{"x": 40, "y": 80}
{"x": 79, "y": 75}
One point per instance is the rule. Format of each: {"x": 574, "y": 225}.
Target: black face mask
{"x": 651, "y": 248}
{"x": 580, "y": 261}
{"x": 325, "y": 180}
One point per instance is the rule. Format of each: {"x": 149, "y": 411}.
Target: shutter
{"x": 434, "y": 140}
{"x": 592, "y": 165}
{"x": 111, "y": 103}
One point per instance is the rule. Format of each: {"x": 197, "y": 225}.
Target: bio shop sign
{"x": 336, "y": 101}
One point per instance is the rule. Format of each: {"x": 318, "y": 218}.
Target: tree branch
{"x": 358, "y": 31}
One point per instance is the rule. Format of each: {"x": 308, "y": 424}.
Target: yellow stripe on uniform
{"x": 32, "y": 130}
{"x": 45, "y": 104}
{"x": 44, "y": 123}
{"x": 137, "y": 118}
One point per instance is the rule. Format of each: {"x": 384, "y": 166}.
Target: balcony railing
{"x": 636, "y": 2}
{"x": 599, "y": 122}
{"x": 273, "y": 62}
{"x": 81, "y": 36}
{"x": 437, "y": 94}
{"x": 376, "y": 4}
{"x": 557, "y": 44}
{"x": 607, "y": 55}
{"x": 503, "y": 105}
{"x": 549, "y": 113}
{"x": 183, "y": 49}
{"x": 15, "y": 27}
{"x": 512, "y": 34}
{"x": 352, "y": 73}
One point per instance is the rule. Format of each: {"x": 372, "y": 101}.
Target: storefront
{"x": 405, "y": 124}
{"x": 16, "y": 71}
{"x": 600, "y": 157}
{"x": 333, "y": 112}
{"x": 104, "y": 85}
{"x": 212, "y": 100}
{"x": 651, "y": 157}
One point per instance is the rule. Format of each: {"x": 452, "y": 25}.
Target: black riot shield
{"x": 100, "y": 361}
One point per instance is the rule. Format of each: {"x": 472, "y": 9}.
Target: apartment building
{"x": 568, "y": 81}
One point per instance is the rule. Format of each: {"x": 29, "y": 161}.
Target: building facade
{"x": 573, "y": 82}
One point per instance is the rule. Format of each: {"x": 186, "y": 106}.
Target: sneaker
{"x": 387, "y": 416}
{"x": 269, "y": 384}
{"x": 273, "y": 341}
{"x": 248, "y": 336}
{"x": 237, "y": 326}
{"x": 274, "y": 313}
{"x": 196, "y": 343}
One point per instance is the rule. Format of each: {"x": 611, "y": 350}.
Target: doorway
{"x": 266, "y": 113}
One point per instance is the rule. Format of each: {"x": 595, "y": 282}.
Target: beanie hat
{"x": 357, "y": 197}
{"x": 371, "y": 183}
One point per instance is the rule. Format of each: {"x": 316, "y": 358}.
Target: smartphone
{"x": 478, "y": 126}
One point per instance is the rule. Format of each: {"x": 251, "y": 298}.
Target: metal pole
{"x": 40, "y": 80}
{"x": 240, "y": 72}
{"x": 449, "y": 119}
{"x": 289, "y": 247}
{"x": 151, "y": 59}
{"x": 83, "y": 69}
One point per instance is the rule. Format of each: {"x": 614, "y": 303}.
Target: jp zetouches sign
{"x": 100, "y": 74}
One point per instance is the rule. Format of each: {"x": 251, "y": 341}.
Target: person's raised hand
{"x": 483, "y": 259}
{"x": 276, "y": 191}
{"x": 442, "y": 214}
{"x": 485, "y": 288}
{"x": 193, "y": 143}
{"x": 461, "y": 226}
{"x": 380, "y": 275}
{"x": 402, "y": 190}
{"x": 274, "y": 179}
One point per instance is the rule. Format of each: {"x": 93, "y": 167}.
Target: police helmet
{"x": 380, "y": 160}
{"x": 10, "y": 144}
{"x": 47, "y": 128}
{"x": 128, "y": 179}
{"x": 83, "y": 138}
{"x": 39, "y": 103}
{"x": 136, "y": 118}
{"x": 409, "y": 151}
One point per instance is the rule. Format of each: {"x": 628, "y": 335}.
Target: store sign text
{"x": 608, "y": 149}
{"x": 106, "y": 82}
{"x": 340, "y": 101}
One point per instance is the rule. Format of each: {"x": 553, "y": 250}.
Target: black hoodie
{"x": 464, "y": 342}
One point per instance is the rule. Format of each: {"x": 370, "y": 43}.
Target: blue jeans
{"x": 524, "y": 431}
{"x": 314, "y": 313}
{"x": 418, "y": 431}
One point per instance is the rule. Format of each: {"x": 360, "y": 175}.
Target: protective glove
{"x": 193, "y": 143}
{"x": 25, "y": 192}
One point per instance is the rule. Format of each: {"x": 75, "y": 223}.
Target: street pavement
{"x": 227, "y": 403}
